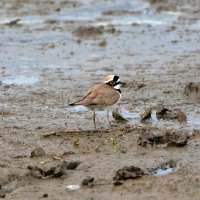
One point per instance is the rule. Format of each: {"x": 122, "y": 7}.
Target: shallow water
{"x": 134, "y": 118}
{"x": 163, "y": 171}
{"x": 20, "y": 80}
{"x": 73, "y": 187}
{"x": 140, "y": 13}
{"x": 26, "y": 44}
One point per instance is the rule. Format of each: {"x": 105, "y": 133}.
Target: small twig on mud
{"x": 55, "y": 134}
{"x": 62, "y": 96}
{"x": 49, "y": 134}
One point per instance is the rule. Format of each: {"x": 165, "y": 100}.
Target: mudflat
{"x": 52, "y": 52}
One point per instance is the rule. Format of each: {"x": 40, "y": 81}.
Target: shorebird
{"x": 101, "y": 96}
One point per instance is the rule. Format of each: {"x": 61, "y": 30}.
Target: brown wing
{"x": 86, "y": 99}
{"x": 101, "y": 94}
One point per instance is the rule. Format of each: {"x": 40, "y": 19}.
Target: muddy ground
{"x": 51, "y": 52}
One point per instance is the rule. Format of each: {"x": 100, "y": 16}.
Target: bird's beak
{"x": 122, "y": 83}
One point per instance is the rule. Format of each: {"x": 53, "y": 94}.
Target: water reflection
{"x": 20, "y": 80}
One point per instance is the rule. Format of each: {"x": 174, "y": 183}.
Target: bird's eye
{"x": 112, "y": 82}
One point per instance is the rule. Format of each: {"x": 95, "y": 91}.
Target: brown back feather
{"x": 99, "y": 95}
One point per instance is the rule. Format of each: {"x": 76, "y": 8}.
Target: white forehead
{"x": 109, "y": 78}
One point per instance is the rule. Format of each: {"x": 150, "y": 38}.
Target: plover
{"x": 101, "y": 96}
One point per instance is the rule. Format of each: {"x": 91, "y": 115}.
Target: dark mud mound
{"x": 163, "y": 138}
{"x": 146, "y": 114}
{"x": 37, "y": 152}
{"x": 170, "y": 114}
{"x": 50, "y": 172}
{"x": 91, "y": 31}
{"x": 118, "y": 117}
{"x": 192, "y": 90}
{"x": 161, "y": 111}
{"x": 129, "y": 172}
{"x": 132, "y": 172}
{"x": 89, "y": 181}
{"x": 175, "y": 114}
{"x": 13, "y": 22}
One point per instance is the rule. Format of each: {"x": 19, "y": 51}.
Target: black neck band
{"x": 118, "y": 90}
{"x": 113, "y": 87}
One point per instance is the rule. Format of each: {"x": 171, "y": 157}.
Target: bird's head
{"x": 113, "y": 81}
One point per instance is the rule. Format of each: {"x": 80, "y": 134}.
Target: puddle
{"x": 73, "y": 187}
{"x": 193, "y": 120}
{"x": 129, "y": 115}
{"x": 154, "y": 19}
{"x": 134, "y": 118}
{"x": 77, "y": 108}
{"x": 83, "y": 109}
{"x": 164, "y": 169}
{"x": 36, "y": 32}
{"x": 21, "y": 80}
{"x": 195, "y": 26}
{"x": 94, "y": 12}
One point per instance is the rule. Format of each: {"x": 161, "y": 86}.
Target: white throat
{"x": 117, "y": 87}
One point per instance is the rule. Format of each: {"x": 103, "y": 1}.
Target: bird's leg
{"x": 107, "y": 114}
{"x": 94, "y": 119}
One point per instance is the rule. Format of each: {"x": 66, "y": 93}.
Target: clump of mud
{"x": 170, "y": 114}
{"x": 118, "y": 117}
{"x": 13, "y": 22}
{"x": 120, "y": 12}
{"x": 192, "y": 90}
{"x": 146, "y": 114}
{"x": 134, "y": 85}
{"x": 4, "y": 111}
{"x": 89, "y": 181}
{"x": 102, "y": 43}
{"x": 91, "y": 31}
{"x": 129, "y": 172}
{"x": 50, "y": 172}
{"x": 161, "y": 111}
{"x": 37, "y": 152}
{"x": 132, "y": 172}
{"x": 163, "y": 138}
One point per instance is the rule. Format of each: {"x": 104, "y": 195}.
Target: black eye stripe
{"x": 115, "y": 78}
{"x": 113, "y": 83}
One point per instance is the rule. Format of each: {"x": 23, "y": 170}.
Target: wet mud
{"x": 192, "y": 90}
{"x": 128, "y": 173}
{"x": 156, "y": 138}
{"x": 52, "y": 52}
